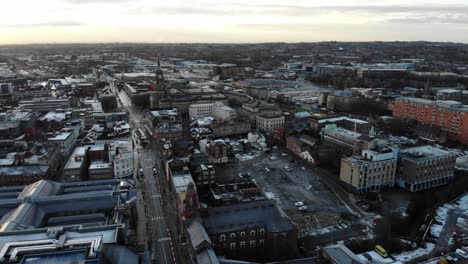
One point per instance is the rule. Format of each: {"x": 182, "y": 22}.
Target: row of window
{"x": 242, "y": 234}
{"x": 242, "y": 244}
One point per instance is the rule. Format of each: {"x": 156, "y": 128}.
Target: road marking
{"x": 156, "y": 195}
{"x": 164, "y": 239}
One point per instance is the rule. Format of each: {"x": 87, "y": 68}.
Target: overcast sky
{"x": 58, "y": 21}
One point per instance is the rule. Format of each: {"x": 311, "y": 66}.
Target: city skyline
{"x": 102, "y": 21}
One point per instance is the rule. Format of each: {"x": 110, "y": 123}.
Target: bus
{"x": 381, "y": 251}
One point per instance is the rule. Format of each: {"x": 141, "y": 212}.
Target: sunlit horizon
{"x": 236, "y": 21}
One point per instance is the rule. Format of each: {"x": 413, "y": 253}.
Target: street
{"x": 160, "y": 242}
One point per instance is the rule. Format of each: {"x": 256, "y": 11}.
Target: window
{"x": 252, "y": 243}
{"x": 242, "y": 244}
{"x": 233, "y": 235}
{"x": 261, "y": 242}
{"x": 222, "y": 238}
{"x": 262, "y": 231}
{"x": 232, "y": 245}
{"x": 242, "y": 234}
{"x": 252, "y": 232}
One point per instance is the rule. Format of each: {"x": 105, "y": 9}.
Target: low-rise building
{"x": 22, "y": 175}
{"x": 219, "y": 151}
{"x": 77, "y": 165}
{"x": 352, "y": 143}
{"x": 65, "y": 140}
{"x": 303, "y": 146}
{"x": 205, "y": 175}
{"x": 166, "y": 123}
{"x": 374, "y": 170}
{"x": 425, "y": 167}
{"x": 100, "y": 171}
{"x": 121, "y": 155}
{"x": 269, "y": 123}
{"x": 44, "y": 104}
{"x": 217, "y": 110}
{"x": 234, "y": 127}
{"x": 253, "y": 231}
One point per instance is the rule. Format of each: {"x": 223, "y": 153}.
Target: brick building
{"x": 450, "y": 116}
{"x": 254, "y": 231}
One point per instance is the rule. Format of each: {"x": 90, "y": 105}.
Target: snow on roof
{"x": 341, "y": 118}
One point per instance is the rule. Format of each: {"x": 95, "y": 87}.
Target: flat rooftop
{"x": 422, "y": 153}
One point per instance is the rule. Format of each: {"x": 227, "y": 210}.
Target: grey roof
{"x": 207, "y": 256}
{"x": 45, "y": 198}
{"x": 198, "y": 236}
{"x": 23, "y": 170}
{"x": 242, "y": 216}
{"x": 341, "y": 254}
{"x": 423, "y": 153}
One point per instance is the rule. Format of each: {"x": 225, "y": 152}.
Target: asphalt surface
{"x": 160, "y": 240}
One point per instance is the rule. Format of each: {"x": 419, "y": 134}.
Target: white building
{"x": 121, "y": 155}
{"x": 269, "y": 123}
{"x": 217, "y": 110}
{"x": 373, "y": 171}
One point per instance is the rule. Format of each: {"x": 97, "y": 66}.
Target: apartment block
{"x": 449, "y": 116}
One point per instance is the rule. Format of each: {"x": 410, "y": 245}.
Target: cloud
{"x": 46, "y": 24}
{"x": 96, "y": 1}
{"x": 430, "y": 20}
{"x": 303, "y": 10}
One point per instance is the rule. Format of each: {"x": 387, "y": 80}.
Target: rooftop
{"x": 248, "y": 215}
{"x": 60, "y": 136}
{"x": 422, "y": 153}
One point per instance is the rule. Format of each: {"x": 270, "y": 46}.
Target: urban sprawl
{"x": 234, "y": 153}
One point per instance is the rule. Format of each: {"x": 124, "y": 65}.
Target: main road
{"x": 159, "y": 238}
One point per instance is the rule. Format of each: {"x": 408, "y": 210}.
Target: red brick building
{"x": 450, "y": 116}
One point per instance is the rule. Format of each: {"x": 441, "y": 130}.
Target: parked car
{"x": 367, "y": 256}
{"x": 299, "y": 204}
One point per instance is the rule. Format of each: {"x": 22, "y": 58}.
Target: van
{"x": 381, "y": 251}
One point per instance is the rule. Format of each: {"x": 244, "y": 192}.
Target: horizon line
{"x": 232, "y": 43}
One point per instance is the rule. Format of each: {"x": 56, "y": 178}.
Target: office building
{"x": 374, "y": 170}
{"x": 425, "y": 167}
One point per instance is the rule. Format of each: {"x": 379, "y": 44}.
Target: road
{"x": 159, "y": 238}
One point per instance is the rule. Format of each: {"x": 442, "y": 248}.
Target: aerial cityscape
{"x": 228, "y": 133}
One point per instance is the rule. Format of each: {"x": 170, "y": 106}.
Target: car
{"x": 303, "y": 208}
{"x": 244, "y": 175}
{"x": 287, "y": 168}
{"x": 267, "y": 169}
{"x": 284, "y": 154}
{"x": 462, "y": 253}
{"x": 299, "y": 204}
{"x": 273, "y": 158}
{"x": 360, "y": 202}
{"x": 367, "y": 256}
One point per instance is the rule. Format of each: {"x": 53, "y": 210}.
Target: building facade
{"x": 425, "y": 167}
{"x": 269, "y": 123}
{"x": 450, "y": 116}
{"x": 373, "y": 171}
